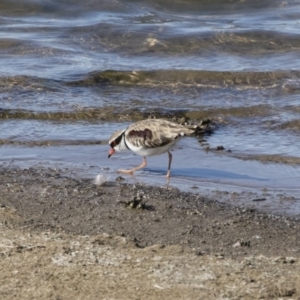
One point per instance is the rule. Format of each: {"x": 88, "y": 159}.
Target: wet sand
{"x": 67, "y": 238}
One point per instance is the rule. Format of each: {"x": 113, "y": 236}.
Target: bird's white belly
{"x": 151, "y": 151}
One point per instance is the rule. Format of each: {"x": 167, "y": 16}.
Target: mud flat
{"x": 66, "y": 238}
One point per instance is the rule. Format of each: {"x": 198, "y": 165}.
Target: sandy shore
{"x": 66, "y": 238}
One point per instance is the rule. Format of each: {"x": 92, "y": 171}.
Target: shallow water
{"x": 270, "y": 187}
{"x": 71, "y": 73}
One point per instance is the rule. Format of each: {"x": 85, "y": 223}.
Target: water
{"x": 72, "y": 72}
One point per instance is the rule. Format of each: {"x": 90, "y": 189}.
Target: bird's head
{"x": 116, "y": 142}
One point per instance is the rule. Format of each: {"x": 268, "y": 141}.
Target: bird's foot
{"x": 130, "y": 172}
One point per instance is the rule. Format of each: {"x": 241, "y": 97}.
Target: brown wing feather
{"x": 154, "y": 132}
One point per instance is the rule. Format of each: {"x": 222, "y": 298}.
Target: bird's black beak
{"x": 111, "y": 152}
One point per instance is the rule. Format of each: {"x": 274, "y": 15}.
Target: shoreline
{"x": 172, "y": 244}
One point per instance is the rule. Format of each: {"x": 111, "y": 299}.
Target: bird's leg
{"x": 170, "y": 161}
{"x": 141, "y": 166}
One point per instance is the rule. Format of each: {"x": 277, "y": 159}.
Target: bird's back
{"x": 154, "y": 133}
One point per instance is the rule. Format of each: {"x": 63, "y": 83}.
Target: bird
{"x": 147, "y": 138}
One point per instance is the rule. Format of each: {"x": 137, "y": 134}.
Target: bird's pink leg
{"x": 141, "y": 166}
{"x": 170, "y": 161}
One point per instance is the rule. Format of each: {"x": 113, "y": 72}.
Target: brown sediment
{"x": 123, "y": 114}
{"x": 273, "y": 158}
{"x": 241, "y": 112}
{"x": 50, "y": 143}
{"x": 163, "y": 78}
{"x": 47, "y": 200}
{"x": 76, "y": 240}
{"x": 291, "y": 125}
{"x": 185, "y": 78}
{"x": 88, "y": 114}
{"x": 264, "y": 158}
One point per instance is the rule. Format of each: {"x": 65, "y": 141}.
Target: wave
{"x": 120, "y": 114}
{"x": 289, "y": 81}
{"x": 293, "y": 125}
{"x": 163, "y": 78}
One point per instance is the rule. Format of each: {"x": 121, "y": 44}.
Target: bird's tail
{"x": 200, "y": 128}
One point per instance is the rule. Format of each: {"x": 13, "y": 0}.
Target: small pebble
{"x": 100, "y": 179}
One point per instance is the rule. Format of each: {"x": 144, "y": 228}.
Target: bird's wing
{"x": 154, "y": 133}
